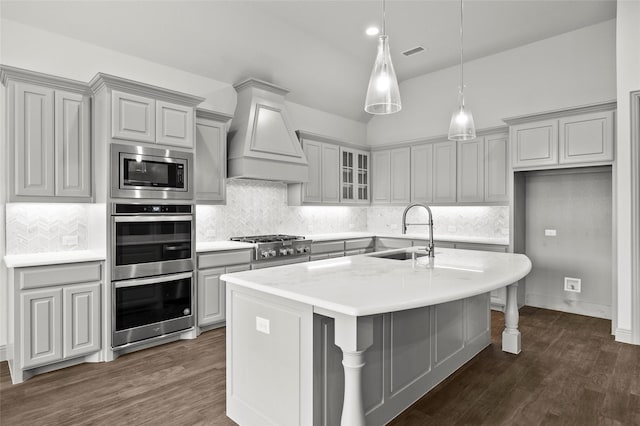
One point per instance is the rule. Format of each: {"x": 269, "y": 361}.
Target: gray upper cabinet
{"x": 381, "y": 170}
{"x": 354, "y": 176}
{"x": 330, "y": 173}
{"x": 324, "y": 160}
{"x": 586, "y": 138}
{"x": 535, "y": 144}
{"x": 421, "y": 173}
{"x": 392, "y": 176}
{"x": 471, "y": 170}
{"x": 496, "y": 168}
{"x": 133, "y": 117}
{"x": 211, "y": 157}
{"x": 48, "y": 125}
{"x": 444, "y": 172}
{"x": 577, "y": 137}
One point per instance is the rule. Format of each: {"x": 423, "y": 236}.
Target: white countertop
{"x": 448, "y": 238}
{"x": 223, "y": 245}
{"x": 51, "y": 258}
{"x": 365, "y": 285}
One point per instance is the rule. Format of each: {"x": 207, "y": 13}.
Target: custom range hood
{"x": 262, "y": 144}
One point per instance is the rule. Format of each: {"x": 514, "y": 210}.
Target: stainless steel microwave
{"x": 144, "y": 172}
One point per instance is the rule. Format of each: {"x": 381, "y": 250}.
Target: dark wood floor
{"x": 570, "y": 373}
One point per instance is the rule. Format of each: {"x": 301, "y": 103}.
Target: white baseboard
{"x": 624, "y": 336}
{"x": 569, "y": 306}
{"x": 3, "y": 353}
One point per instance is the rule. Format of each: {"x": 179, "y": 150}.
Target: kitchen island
{"x": 398, "y": 328}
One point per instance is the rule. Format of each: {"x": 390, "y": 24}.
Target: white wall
{"x": 628, "y": 80}
{"x": 572, "y": 69}
{"x": 31, "y": 48}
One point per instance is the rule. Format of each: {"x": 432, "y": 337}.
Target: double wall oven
{"x": 152, "y": 244}
{"x": 152, "y": 271}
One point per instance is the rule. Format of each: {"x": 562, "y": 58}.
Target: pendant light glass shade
{"x": 383, "y": 95}
{"x": 462, "y": 127}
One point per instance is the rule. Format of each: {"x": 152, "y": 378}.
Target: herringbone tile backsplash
{"x": 40, "y": 228}
{"x": 253, "y": 208}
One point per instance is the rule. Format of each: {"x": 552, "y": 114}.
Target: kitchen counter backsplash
{"x": 448, "y": 221}
{"x": 41, "y": 228}
{"x": 260, "y": 207}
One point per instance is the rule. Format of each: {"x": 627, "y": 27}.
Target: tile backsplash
{"x": 448, "y": 221}
{"x": 253, "y": 208}
{"x": 40, "y": 228}
{"x": 260, "y": 207}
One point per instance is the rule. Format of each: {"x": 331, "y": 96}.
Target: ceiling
{"x": 315, "y": 48}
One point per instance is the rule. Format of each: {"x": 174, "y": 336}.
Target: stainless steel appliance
{"x": 276, "y": 250}
{"x": 144, "y": 308}
{"x": 143, "y": 172}
{"x": 151, "y": 239}
{"x": 152, "y": 271}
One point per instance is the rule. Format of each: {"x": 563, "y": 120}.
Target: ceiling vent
{"x": 413, "y": 51}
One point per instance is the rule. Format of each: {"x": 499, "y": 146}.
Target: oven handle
{"x": 152, "y": 280}
{"x": 176, "y": 248}
{"x": 158, "y": 218}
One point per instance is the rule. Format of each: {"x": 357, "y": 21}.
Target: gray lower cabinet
{"x": 499, "y": 296}
{"x": 211, "y": 157}
{"x": 48, "y": 125}
{"x": 57, "y": 315}
{"x": 211, "y": 290}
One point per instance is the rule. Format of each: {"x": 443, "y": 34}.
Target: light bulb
{"x": 462, "y": 118}
{"x": 383, "y": 82}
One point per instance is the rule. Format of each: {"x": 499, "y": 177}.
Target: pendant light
{"x": 383, "y": 95}
{"x": 462, "y": 127}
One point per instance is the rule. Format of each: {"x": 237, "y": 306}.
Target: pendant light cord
{"x": 461, "y": 53}
{"x": 384, "y": 13}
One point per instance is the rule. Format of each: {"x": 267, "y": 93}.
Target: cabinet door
{"x": 34, "y": 140}
{"x": 422, "y": 173}
{"x": 133, "y": 117}
{"x": 535, "y": 144}
{"x": 362, "y": 195}
{"x": 312, "y": 190}
{"x": 347, "y": 193}
{"x": 470, "y": 170}
{"x": 81, "y": 319}
{"x": 211, "y": 160}
{"x": 41, "y": 327}
{"x": 444, "y": 172}
{"x": 211, "y": 307}
{"x": 381, "y": 176}
{"x": 496, "y": 156}
{"x": 330, "y": 173}
{"x": 72, "y": 145}
{"x": 400, "y": 175}
{"x": 586, "y": 138}
{"x": 174, "y": 124}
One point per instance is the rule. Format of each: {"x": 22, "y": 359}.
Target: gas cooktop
{"x": 255, "y": 239}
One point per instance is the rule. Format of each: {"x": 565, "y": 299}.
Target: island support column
{"x": 511, "y": 335}
{"x": 354, "y": 335}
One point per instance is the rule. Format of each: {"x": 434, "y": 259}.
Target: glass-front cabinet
{"x": 354, "y": 176}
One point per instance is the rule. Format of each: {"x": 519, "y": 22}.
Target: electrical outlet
{"x": 263, "y": 325}
{"x": 550, "y": 233}
{"x": 572, "y": 284}
{"x": 70, "y": 240}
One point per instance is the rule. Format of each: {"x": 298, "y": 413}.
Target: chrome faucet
{"x": 430, "y": 248}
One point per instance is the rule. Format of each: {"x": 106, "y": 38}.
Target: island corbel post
{"x": 354, "y": 335}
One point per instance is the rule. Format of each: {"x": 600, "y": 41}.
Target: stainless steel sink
{"x": 402, "y": 255}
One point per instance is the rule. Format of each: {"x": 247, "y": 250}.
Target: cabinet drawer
{"x": 482, "y": 247}
{"x": 361, "y": 243}
{"x": 50, "y": 275}
{"x": 327, "y": 247}
{"x": 225, "y": 258}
